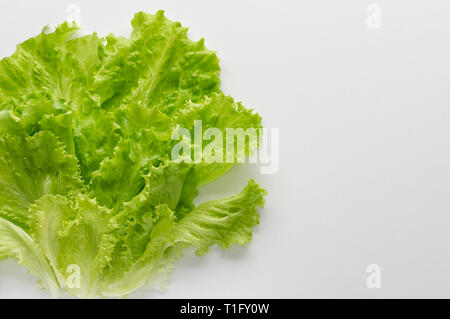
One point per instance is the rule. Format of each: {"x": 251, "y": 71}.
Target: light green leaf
{"x": 74, "y": 236}
{"x": 223, "y": 222}
{"x": 17, "y": 244}
{"x": 96, "y": 136}
{"x": 31, "y": 167}
{"x": 220, "y": 112}
{"x": 119, "y": 178}
{"x": 158, "y": 66}
{"x": 163, "y": 185}
{"x": 35, "y": 65}
{"x": 156, "y": 259}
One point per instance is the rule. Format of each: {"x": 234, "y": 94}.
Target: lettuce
{"x": 91, "y": 201}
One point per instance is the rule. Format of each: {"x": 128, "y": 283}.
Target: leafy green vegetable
{"x": 88, "y": 187}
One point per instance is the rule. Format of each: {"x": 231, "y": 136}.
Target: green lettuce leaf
{"x": 74, "y": 232}
{"x": 16, "y": 243}
{"x": 92, "y": 201}
{"x": 31, "y": 167}
{"x": 222, "y": 222}
{"x": 158, "y": 66}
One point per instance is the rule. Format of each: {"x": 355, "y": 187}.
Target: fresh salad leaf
{"x": 91, "y": 200}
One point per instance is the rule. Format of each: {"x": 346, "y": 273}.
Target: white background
{"x": 365, "y": 142}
